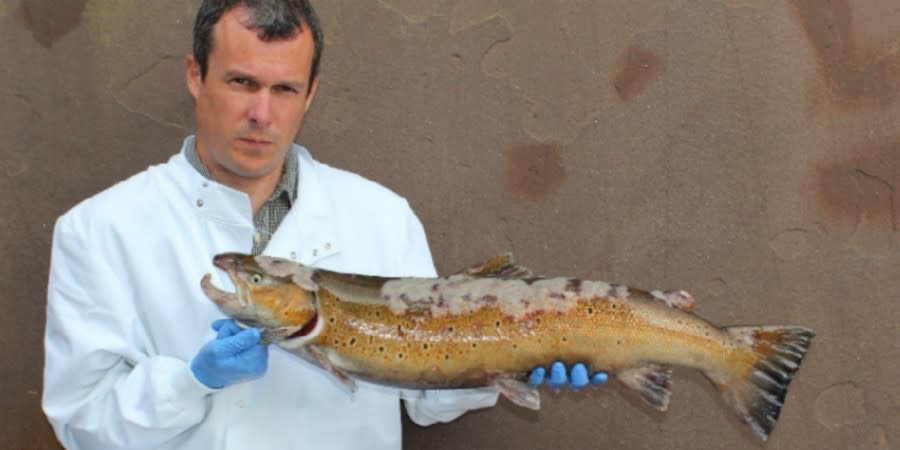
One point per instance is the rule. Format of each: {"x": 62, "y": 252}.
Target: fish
{"x": 494, "y": 322}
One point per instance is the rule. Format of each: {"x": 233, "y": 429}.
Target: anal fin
{"x": 651, "y": 381}
{"x": 519, "y": 392}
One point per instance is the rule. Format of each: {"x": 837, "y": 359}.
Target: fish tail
{"x": 756, "y": 391}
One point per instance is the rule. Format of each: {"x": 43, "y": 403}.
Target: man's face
{"x": 251, "y": 104}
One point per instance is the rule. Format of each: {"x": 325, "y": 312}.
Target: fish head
{"x": 272, "y": 294}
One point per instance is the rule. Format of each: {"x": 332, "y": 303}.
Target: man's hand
{"x": 558, "y": 377}
{"x": 234, "y": 355}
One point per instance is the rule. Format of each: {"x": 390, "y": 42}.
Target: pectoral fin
{"x": 519, "y": 392}
{"x": 319, "y": 355}
{"x": 651, "y": 381}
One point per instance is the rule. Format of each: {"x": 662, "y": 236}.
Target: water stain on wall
{"x": 534, "y": 171}
{"x": 841, "y": 405}
{"x": 863, "y": 187}
{"x": 854, "y": 77}
{"x": 49, "y": 20}
{"x": 637, "y": 69}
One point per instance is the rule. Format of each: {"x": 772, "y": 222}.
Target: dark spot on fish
{"x": 352, "y": 341}
{"x": 565, "y": 339}
{"x": 618, "y": 342}
{"x": 331, "y": 320}
{"x": 474, "y": 345}
{"x": 425, "y": 346}
{"x": 336, "y": 341}
{"x": 400, "y": 331}
{"x": 399, "y": 355}
{"x": 49, "y": 20}
{"x": 573, "y": 286}
{"x": 534, "y": 171}
{"x": 498, "y": 324}
{"x": 614, "y": 306}
{"x": 381, "y": 348}
{"x": 537, "y": 321}
{"x": 590, "y": 310}
{"x": 515, "y": 346}
{"x": 446, "y": 357}
{"x": 450, "y": 329}
{"x": 638, "y": 68}
{"x": 489, "y": 299}
{"x": 377, "y": 313}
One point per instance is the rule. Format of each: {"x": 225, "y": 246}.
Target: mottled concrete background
{"x": 747, "y": 151}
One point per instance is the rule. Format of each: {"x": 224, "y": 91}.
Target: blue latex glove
{"x": 234, "y": 355}
{"x": 577, "y": 379}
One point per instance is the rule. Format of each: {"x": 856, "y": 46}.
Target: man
{"x": 128, "y": 364}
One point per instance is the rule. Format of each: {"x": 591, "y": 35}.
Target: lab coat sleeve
{"x": 429, "y": 407}
{"x": 103, "y": 386}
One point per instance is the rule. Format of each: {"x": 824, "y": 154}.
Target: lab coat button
{"x": 328, "y": 246}
{"x": 200, "y": 203}
{"x": 206, "y": 184}
{"x": 293, "y": 255}
{"x": 315, "y": 252}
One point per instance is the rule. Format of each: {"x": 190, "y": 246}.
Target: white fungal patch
{"x": 462, "y": 294}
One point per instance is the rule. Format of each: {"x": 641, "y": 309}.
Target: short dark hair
{"x": 275, "y": 19}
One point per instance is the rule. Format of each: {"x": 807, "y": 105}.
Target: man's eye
{"x": 241, "y": 81}
{"x": 286, "y": 89}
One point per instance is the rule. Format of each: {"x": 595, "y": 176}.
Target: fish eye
{"x": 256, "y": 278}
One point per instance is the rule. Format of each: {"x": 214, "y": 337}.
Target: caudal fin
{"x": 757, "y": 392}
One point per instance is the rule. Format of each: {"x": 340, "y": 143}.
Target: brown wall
{"x": 747, "y": 151}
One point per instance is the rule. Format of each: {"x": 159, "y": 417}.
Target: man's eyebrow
{"x": 296, "y": 85}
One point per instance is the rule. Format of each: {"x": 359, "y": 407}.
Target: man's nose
{"x": 260, "y": 111}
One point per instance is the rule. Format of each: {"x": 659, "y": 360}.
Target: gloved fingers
{"x": 537, "y": 376}
{"x": 599, "y": 378}
{"x": 558, "y": 376}
{"x": 255, "y": 359}
{"x": 243, "y": 340}
{"x": 578, "y": 378}
{"x": 218, "y": 323}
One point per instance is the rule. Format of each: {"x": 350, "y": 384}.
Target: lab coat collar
{"x": 213, "y": 201}
{"x": 308, "y": 233}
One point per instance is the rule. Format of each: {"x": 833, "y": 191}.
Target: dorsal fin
{"x": 500, "y": 266}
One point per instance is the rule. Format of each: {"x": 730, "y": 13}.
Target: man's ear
{"x": 311, "y": 94}
{"x": 192, "y": 75}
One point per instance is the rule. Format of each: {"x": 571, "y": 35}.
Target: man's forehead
{"x": 238, "y": 47}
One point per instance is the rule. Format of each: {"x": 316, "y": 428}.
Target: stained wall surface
{"x": 747, "y": 151}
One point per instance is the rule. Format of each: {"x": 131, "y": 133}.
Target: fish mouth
{"x": 218, "y": 296}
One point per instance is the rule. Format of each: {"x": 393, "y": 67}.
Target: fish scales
{"x": 491, "y": 324}
{"x": 467, "y": 347}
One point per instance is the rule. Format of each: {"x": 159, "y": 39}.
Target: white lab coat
{"x": 126, "y": 315}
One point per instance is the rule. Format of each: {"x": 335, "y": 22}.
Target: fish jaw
{"x": 274, "y": 303}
